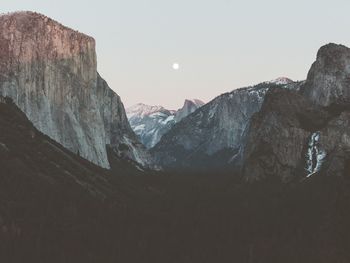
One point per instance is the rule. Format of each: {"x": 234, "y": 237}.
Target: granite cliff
{"x": 213, "y": 135}
{"x": 297, "y": 135}
{"x": 50, "y": 72}
{"x": 328, "y": 80}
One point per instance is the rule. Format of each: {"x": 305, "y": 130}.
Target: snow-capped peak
{"x": 280, "y": 81}
{"x": 151, "y": 122}
{"x": 142, "y": 110}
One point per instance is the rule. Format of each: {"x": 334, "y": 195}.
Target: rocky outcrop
{"x": 280, "y": 81}
{"x": 328, "y": 81}
{"x": 150, "y": 123}
{"x": 188, "y": 107}
{"x": 278, "y": 135}
{"x": 291, "y": 138}
{"x": 50, "y": 72}
{"x": 214, "y": 133}
{"x": 301, "y": 134}
{"x": 334, "y": 144}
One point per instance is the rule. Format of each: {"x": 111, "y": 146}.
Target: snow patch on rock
{"x": 315, "y": 155}
{"x": 150, "y": 123}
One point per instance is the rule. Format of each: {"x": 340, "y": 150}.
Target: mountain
{"x": 301, "y": 134}
{"x": 150, "y": 123}
{"x": 50, "y": 72}
{"x": 278, "y": 130}
{"x": 280, "y": 81}
{"x": 213, "y": 134}
{"x": 188, "y": 107}
{"x": 280, "y": 137}
{"x": 328, "y": 80}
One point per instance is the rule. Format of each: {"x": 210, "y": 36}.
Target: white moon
{"x": 176, "y": 66}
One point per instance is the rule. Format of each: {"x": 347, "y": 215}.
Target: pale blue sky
{"x": 220, "y": 44}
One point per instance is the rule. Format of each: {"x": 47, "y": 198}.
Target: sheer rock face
{"x": 300, "y": 134}
{"x": 335, "y": 142}
{"x": 50, "y": 72}
{"x": 328, "y": 81}
{"x": 291, "y": 138}
{"x": 188, "y": 107}
{"x": 278, "y": 136}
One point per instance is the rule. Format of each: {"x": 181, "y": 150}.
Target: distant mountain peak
{"x": 190, "y": 105}
{"x": 150, "y": 123}
{"x": 280, "y": 81}
{"x": 196, "y": 102}
{"x": 141, "y": 110}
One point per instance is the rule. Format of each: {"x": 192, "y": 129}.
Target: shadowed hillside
{"x": 57, "y": 207}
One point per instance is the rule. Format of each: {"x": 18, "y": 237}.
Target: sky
{"x": 219, "y": 45}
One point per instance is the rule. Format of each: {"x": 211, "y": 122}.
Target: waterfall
{"x": 315, "y": 155}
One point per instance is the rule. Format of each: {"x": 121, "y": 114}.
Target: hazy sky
{"x": 220, "y": 45}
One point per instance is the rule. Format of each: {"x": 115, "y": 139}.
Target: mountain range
{"x": 275, "y": 127}
{"x": 258, "y": 174}
{"x": 150, "y": 123}
{"x": 214, "y": 134}
{"x": 271, "y": 130}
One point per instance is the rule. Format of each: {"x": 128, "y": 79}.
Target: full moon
{"x": 176, "y": 66}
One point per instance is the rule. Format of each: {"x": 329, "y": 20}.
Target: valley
{"x": 259, "y": 174}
